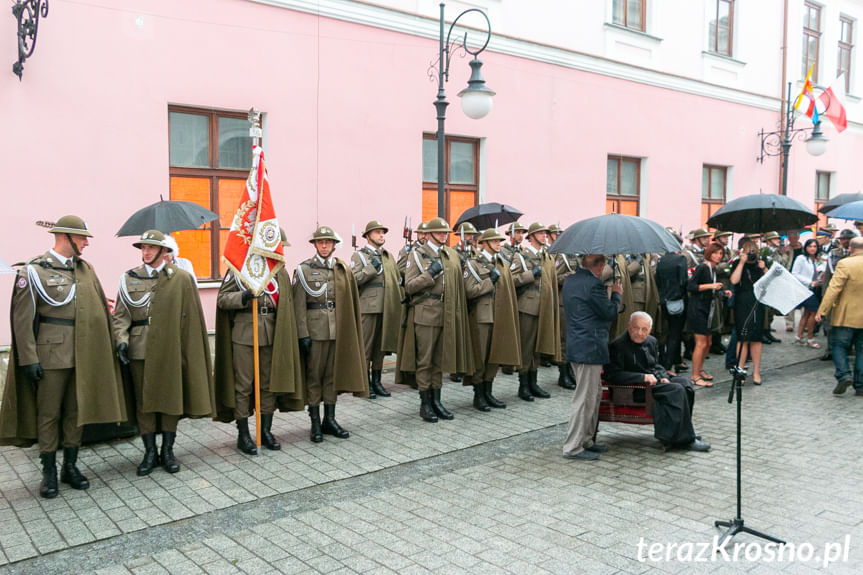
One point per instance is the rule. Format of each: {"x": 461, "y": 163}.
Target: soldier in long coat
{"x": 62, "y": 370}
{"x": 508, "y": 249}
{"x": 493, "y": 307}
{"x": 329, "y": 328}
{"x": 161, "y": 335}
{"x": 565, "y": 265}
{"x": 533, "y": 272}
{"x": 436, "y": 337}
{"x": 280, "y": 372}
{"x": 378, "y": 281}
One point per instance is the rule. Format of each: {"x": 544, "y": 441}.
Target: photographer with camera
{"x": 748, "y": 312}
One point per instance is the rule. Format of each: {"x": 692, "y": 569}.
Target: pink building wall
{"x": 86, "y": 132}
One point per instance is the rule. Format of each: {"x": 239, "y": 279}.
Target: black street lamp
{"x": 476, "y": 99}
{"x": 778, "y": 143}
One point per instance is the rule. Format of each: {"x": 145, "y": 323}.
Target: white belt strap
{"x": 127, "y": 298}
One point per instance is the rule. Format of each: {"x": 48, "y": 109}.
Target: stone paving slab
{"x": 387, "y": 437}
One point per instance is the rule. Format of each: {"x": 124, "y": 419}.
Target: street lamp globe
{"x": 476, "y": 99}
{"x": 816, "y": 144}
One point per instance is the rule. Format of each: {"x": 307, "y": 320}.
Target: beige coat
{"x": 842, "y": 298}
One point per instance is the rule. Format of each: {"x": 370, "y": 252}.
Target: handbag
{"x": 675, "y": 306}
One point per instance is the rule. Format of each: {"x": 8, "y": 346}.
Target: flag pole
{"x": 255, "y": 133}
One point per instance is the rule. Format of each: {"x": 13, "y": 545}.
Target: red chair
{"x": 626, "y": 404}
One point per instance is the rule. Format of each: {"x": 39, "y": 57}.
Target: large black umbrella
{"x": 167, "y": 217}
{"x": 762, "y": 213}
{"x": 840, "y": 200}
{"x": 489, "y": 215}
{"x": 615, "y": 234}
{"x": 849, "y": 211}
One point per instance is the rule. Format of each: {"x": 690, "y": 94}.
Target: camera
{"x": 751, "y": 257}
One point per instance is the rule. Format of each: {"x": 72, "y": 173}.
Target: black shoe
{"x": 546, "y": 363}
{"x": 48, "y": 487}
{"x": 375, "y": 384}
{"x": 536, "y": 390}
{"x": 571, "y": 373}
{"x": 766, "y": 340}
{"x": 681, "y": 367}
{"x": 151, "y": 456}
{"x": 167, "y": 455}
{"x": 315, "y": 415}
{"x": 438, "y": 407}
{"x": 563, "y": 378}
{"x": 716, "y": 349}
{"x": 828, "y": 355}
{"x": 583, "y": 456}
{"x": 597, "y": 448}
{"x": 245, "y": 443}
{"x": 330, "y": 426}
{"x": 491, "y": 400}
{"x": 843, "y": 385}
{"x": 479, "y": 402}
{"x": 523, "y": 387}
{"x": 268, "y": 440}
{"x": 773, "y": 338}
{"x": 372, "y": 394}
{"x": 426, "y": 409}
{"x": 454, "y": 377}
{"x": 70, "y": 474}
{"x": 506, "y": 370}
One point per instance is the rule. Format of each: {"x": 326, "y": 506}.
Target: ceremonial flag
{"x": 254, "y": 249}
{"x": 811, "y": 110}
{"x": 833, "y": 108}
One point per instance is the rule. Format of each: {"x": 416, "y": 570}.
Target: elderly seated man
{"x": 634, "y": 358}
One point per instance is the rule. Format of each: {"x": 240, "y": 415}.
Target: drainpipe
{"x": 784, "y": 52}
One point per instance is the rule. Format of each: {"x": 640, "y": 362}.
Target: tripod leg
{"x": 760, "y": 534}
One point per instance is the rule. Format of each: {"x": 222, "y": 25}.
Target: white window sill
{"x": 633, "y": 31}
{"x": 722, "y": 58}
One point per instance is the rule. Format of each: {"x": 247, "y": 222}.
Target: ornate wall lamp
{"x": 27, "y": 13}
{"x": 476, "y": 99}
{"x": 778, "y": 143}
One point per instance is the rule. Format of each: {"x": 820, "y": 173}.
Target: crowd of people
{"x": 494, "y": 302}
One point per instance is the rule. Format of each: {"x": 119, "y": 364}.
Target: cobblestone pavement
{"x": 485, "y": 493}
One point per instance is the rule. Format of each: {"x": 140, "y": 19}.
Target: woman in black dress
{"x": 703, "y": 291}
{"x": 748, "y": 312}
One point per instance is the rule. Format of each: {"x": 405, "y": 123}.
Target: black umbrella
{"x": 762, "y": 213}
{"x": 489, "y": 215}
{"x": 615, "y": 234}
{"x": 840, "y": 200}
{"x": 167, "y": 217}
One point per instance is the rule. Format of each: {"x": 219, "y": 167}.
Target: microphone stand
{"x": 736, "y": 525}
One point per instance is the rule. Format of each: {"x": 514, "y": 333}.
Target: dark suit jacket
{"x": 588, "y": 314}
{"x": 629, "y": 361}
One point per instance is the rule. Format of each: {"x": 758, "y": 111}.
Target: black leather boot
{"x": 523, "y": 387}
{"x": 330, "y": 426}
{"x": 426, "y": 409}
{"x": 479, "y": 401}
{"x": 245, "y": 443}
{"x": 48, "y": 488}
{"x": 70, "y": 474}
{"x": 571, "y": 373}
{"x": 151, "y": 456}
{"x": 536, "y": 390}
{"x": 438, "y": 407}
{"x": 563, "y": 379}
{"x": 167, "y": 455}
{"x": 491, "y": 400}
{"x": 376, "y": 382}
{"x": 315, "y": 415}
{"x": 372, "y": 394}
{"x": 268, "y": 440}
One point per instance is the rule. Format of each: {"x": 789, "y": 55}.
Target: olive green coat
{"x": 98, "y": 385}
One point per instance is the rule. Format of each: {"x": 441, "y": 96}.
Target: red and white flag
{"x": 254, "y": 249}
{"x": 833, "y": 107}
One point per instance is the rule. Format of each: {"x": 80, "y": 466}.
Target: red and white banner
{"x": 254, "y": 249}
{"x": 833, "y": 108}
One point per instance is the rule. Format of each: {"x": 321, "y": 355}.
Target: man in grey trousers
{"x": 589, "y": 311}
